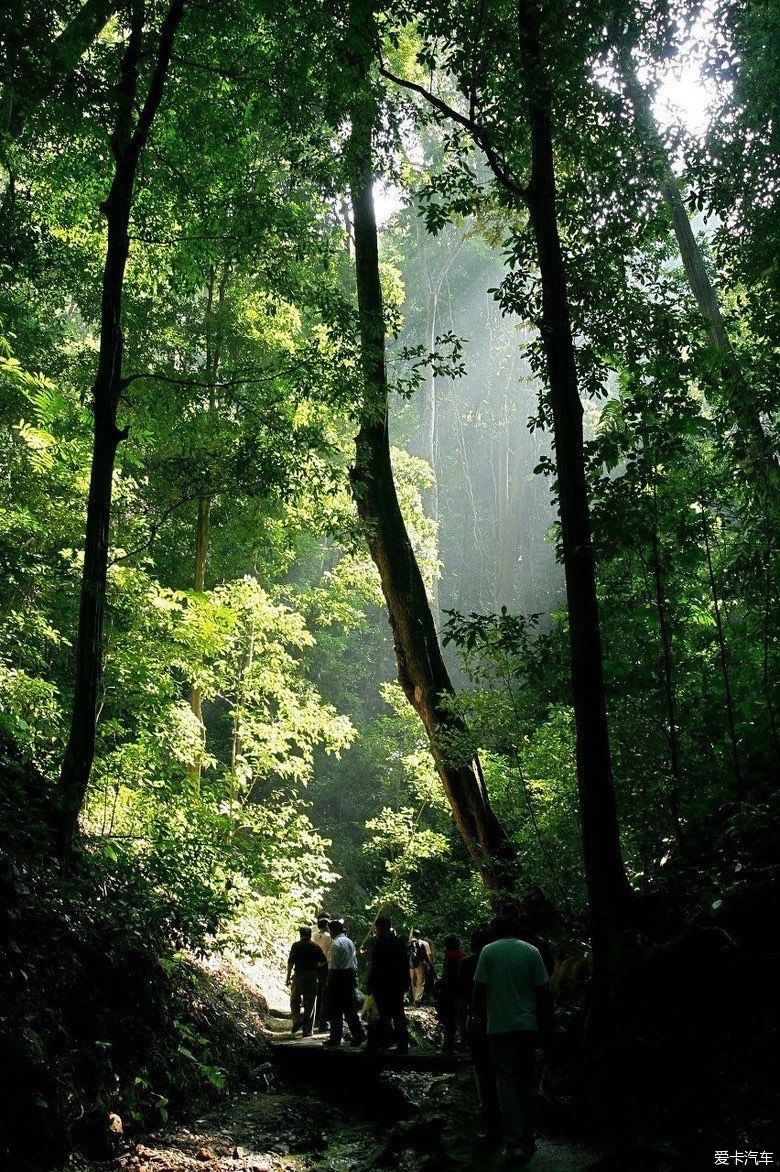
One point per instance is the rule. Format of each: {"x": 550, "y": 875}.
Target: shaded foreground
{"x": 408, "y": 1120}
{"x": 311, "y": 1109}
{"x": 122, "y": 1027}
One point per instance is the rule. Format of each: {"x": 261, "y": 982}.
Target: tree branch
{"x": 155, "y": 91}
{"x": 480, "y": 134}
{"x": 250, "y": 488}
{"x": 154, "y": 527}
{"x": 209, "y": 384}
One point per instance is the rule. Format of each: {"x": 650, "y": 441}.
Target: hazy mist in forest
{"x": 494, "y": 514}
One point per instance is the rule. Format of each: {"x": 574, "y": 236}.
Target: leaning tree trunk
{"x": 421, "y": 669}
{"x": 756, "y": 444}
{"x": 607, "y": 886}
{"x": 127, "y": 144}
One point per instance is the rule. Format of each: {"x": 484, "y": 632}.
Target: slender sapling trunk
{"x": 128, "y": 142}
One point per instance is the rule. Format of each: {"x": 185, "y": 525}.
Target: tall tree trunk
{"x": 472, "y": 547}
{"x": 421, "y": 669}
{"x": 213, "y": 335}
{"x": 127, "y": 144}
{"x": 762, "y": 458}
{"x": 607, "y": 886}
{"x": 428, "y": 404}
{"x": 509, "y": 540}
{"x": 722, "y": 652}
{"x": 500, "y": 462}
{"x": 662, "y": 611}
{"x": 509, "y": 511}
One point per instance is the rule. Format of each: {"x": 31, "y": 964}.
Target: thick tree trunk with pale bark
{"x": 127, "y": 144}
{"x": 421, "y": 669}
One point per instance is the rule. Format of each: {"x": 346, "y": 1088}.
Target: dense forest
{"x": 389, "y": 434}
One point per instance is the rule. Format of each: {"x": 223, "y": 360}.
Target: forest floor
{"x": 280, "y": 1131}
{"x": 294, "y": 1120}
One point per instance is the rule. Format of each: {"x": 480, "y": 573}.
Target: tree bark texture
{"x": 607, "y": 886}
{"x": 421, "y": 669}
{"x": 127, "y": 145}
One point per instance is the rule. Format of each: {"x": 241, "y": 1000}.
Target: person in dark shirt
{"x": 387, "y": 982}
{"x": 484, "y": 1074}
{"x": 305, "y": 960}
{"x": 447, "y": 993}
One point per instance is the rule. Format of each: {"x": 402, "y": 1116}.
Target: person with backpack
{"x": 420, "y": 965}
{"x": 302, "y": 966}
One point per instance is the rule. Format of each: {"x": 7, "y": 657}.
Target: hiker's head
{"x": 451, "y": 943}
{"x": 336, "y": 927}
{"x": 503, "y": 926}
{"x": 323, "y": 923}
{"x": 305, "y": 933}
{"x": 523, "y": 927}
{"x": 481, "y": 936}
{"x": 382, "y": 925}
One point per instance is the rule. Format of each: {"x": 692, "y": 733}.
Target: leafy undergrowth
{"x": 101, "y": 1015}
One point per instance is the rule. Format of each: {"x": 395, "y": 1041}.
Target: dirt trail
{"x": 284, "y": 1131}
{"x": 318, "y": 1115}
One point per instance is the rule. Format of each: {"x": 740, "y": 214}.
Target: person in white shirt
{"x": 511, "y": 991}
{"x": 342, "y": 983}
{"x": 321, "y": 937}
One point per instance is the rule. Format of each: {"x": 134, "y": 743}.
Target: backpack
{"x": 418, "y": 957}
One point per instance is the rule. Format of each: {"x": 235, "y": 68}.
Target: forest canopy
{"x": 528, "y": 414}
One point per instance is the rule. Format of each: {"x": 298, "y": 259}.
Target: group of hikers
{"x": 495, "y": 999}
